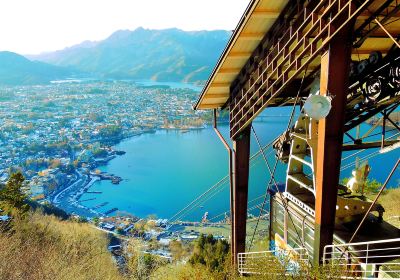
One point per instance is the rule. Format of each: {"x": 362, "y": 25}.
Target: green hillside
{"x": 18, "y": 70}
{"x": 162, "y": 55}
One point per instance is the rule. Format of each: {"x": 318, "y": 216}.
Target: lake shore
{"x": 69, "y": 198}
{"x": 163, "y": 171}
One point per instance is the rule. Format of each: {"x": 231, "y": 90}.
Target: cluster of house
{"x": 62, "y": 122}
{"x": 160, "y": 230}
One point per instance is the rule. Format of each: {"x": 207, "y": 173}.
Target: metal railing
{"x": 275, "y": 262}
{"x": 366, "y": 260}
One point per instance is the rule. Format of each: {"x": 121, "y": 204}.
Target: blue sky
{"x": 35, "y": 26}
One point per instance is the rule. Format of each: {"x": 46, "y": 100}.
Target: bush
{"x": 179, "y": 251}
{"x": 210, "y": 252}
{"x": 141, "y": 265}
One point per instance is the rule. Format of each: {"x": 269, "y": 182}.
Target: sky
{"x": 36, "y": 26}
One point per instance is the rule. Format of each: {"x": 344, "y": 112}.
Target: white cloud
{"x": 29, "y": 27}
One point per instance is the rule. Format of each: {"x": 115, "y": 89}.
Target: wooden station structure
{"x": 277, "y": 51}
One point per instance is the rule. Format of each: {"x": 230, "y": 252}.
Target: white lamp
{"x": 317, "y": 106}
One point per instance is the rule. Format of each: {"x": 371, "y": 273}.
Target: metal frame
{"x": 241, "y": 164}
{"x": 371, "y": 24}
{"x": 293, "y": 53}
{"x": 304, "y": 32}
{"x": 290, "y": 259}
{"x": 230, "y": 155}
{"x": 374, "y": 262}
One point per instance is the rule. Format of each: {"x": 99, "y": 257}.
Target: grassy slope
{"x": 390, "y": 200}
{"x": 225, "y": 229}
{"x": 43, "y": 247}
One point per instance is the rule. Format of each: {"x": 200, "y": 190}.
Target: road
{"x": 68, "y": 198}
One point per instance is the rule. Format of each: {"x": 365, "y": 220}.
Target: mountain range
{"x": 169, "y": 55}
{"x": 15, "y": 69}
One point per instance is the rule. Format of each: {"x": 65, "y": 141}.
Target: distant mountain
{"x": 15, "y": 69}
{"x": 161, "y": 55}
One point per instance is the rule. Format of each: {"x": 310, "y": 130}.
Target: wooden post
{"x": 334, "y": 81}
{"x": 241, "y": 146}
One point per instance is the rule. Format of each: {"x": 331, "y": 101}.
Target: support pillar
{"x": 334, "y": 80}
{"x": 241, "y": 146}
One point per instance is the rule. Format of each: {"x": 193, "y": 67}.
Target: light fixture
{"x": 317, "y": 106}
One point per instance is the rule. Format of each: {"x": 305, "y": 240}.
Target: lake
{"x": 164, "y": 171}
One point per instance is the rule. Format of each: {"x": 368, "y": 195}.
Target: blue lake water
{"x": 173, "y": 85}
{"x": 191, "y": 86}
{"x": 164, "y": 171}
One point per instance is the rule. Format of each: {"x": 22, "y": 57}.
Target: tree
{"x": 12, "y": 195}
{"x": 210, "y": 252}
{"x": 96, "y": 220}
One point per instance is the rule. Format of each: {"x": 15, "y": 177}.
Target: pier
{"x": 105, "y": 176}
{"x": 112, "y": 210}
{"x": 100, "y": 205}
{"x": 89, "y": 199}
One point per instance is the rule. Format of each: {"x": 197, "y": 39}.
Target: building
{"x": 338, "y": 55}
{"x": 107, "y": 226}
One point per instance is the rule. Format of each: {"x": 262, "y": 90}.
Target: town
{"x": 57, "y": 134}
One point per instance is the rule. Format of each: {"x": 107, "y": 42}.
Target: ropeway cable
{"x": 207, "y": 197}
{"x": 228, "y": 211}
{"x": 368, "y": 156}
{"x": 272, "y": 174}
{"x": 198, "y": 200}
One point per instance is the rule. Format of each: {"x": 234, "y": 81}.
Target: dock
{"x": 89, "y": 199}
{"x": 112, "y": 210}
{"x": 100, "y": 205}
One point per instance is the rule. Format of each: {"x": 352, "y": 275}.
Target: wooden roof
{"x": 255, "y": 23}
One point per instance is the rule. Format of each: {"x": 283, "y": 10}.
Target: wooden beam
{"x": 251, "y": 35}
{"x": 335, "y": 64}
{"x": 210, "y": 106}
{"x": 228, "y": 70}
{"x": 368, "y": 51}
{"x": 275, "y": 64}
{"x": 265, "y": 13}
{"x": 239, "y": 55}
{"x": 241, "y": 146}
{"x": 380, "y": 34}
{"x": 218, "y": 90}
{"x": 215, "y": 95}
{"x": 367, "y": 14}
{"x": 220, "y": 85}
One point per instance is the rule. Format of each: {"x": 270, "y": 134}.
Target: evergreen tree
{"x": 12, "y": 195}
